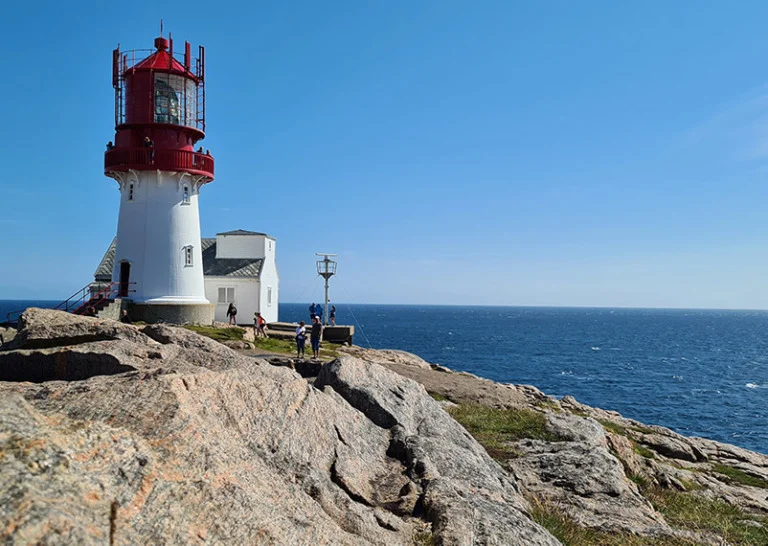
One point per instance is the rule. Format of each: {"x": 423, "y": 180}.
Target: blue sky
{"x": 495, "y": 152}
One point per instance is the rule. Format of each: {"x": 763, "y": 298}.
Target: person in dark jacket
{"x": 314, "y": 337}
{"x": 232, "y": 313}
{"x": 312, "y": 312}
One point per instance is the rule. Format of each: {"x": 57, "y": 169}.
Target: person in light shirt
{"x": 301, "y": 338}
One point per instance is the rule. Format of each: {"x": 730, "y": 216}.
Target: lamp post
{"x": 326, "y": 268}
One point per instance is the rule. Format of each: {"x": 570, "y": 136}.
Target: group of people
{"x": 315, "y": 335}
{"x": 316, "y": 310}
{"x": 316, "y": 330}
{"x": 259, "y": 323}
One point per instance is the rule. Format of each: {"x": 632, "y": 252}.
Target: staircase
{"x": 103, "y": 303}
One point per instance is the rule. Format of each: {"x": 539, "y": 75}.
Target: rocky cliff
{"x": 120, "y": 434}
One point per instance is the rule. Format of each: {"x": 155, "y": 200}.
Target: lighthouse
{"x": 156, "y": 161}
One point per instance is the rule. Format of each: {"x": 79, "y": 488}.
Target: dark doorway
{"x": 125, "y": 275}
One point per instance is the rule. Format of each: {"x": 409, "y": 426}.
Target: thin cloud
{"x": 739, "y": 128}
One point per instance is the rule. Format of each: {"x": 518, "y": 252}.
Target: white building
{"x": 238, "y": 267}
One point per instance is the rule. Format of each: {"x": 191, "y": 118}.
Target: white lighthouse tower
{"x": 159, "y": 118}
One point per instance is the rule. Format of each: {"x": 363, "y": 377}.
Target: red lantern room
{"x": 159, "y": 111}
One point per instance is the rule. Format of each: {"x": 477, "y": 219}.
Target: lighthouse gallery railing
{"x": 119, "y": 159}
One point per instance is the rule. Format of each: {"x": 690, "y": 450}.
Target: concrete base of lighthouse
{"x": 173, "y": 313}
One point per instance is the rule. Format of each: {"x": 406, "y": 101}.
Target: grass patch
{"x": 218, "y": 334}
{"x": 642, "y": 481}
{"x": 610, "y": 426}
{"x": 549, "y": 405}
{"x": 567, "y": 531}
{"x": 495, "y": 428}
{"x": 739, "y": 476}
{"x": 438, "y": 397}
{"x": 697, "y": 513}
{"x": 643, "y": 451}
{"x": 424, "y": 538}
{"x": 276, "y": 345}
{"x": 691, "y": 485}
{"x": 621, "y": 430}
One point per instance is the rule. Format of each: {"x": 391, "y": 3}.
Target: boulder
{"x": 467, "y": 496}
{"x": 43, "y": 328}
{"x": 457, "y": 387}
{"x": 672, "y": 448}
{"x": 6, "y": 335}
{"x": 580, "y": 473}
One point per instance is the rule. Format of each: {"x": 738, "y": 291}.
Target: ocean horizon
{"x": 699, "y": 372}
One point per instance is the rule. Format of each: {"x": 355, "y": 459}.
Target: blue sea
{"x": 699, "y": 372}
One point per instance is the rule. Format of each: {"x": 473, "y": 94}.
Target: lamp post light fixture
{"x": 326, "y": 268}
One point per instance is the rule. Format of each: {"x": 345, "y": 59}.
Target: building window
{"x": 270, "y": 245}
{"x": 188, "y": 256}
{"x": 226, "y": 294}
{"x": 130, "y": 192}
{"x": 269, "y": 296}
{"x": 185, "y": 200}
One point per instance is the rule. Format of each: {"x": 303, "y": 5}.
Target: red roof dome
{"x": 160, "y": 59}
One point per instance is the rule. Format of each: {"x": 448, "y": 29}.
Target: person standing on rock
{"x": 301, "y": 338}
{"x": 314, "y": 337}
{"x": 333, "y": 315}
{"x": 312, "y": 310}
{"x": 232, "y": 313}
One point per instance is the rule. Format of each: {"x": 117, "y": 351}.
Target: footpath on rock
{"x": 121, "y": 434}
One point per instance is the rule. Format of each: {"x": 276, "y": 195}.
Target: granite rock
{"x": 183, "y": 440}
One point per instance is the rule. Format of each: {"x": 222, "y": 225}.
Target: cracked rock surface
{"x": 116, "y": 434}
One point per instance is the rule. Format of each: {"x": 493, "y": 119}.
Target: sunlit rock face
{"x": 117, "y": 434}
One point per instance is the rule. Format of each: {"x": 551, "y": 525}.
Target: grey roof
{"x": 104, "y": 271}
{"x": 212, "y": 267}
{"x": 244, "y": 232}
{"x": 228, "y": 267}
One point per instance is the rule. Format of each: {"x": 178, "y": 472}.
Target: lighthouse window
{"x": 186, "y": 195}
{"x": 130, "y": 192}
{"x": 269, "y": 295}
{"x": 175, "y": 100}
{"x": 166, "y": 103}
{"x": 188, "y": 255}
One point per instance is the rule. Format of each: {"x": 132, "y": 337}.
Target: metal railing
{"x": 158, "y": 158}
{"x": 79, "y": 302}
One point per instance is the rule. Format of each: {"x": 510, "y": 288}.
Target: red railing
{"x": 79, "y": 302}
{"x": 122, "y": 159}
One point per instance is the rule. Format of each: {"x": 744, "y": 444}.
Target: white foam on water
{"x": 595, "y": 348}
{"x": 755, "y": 386}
